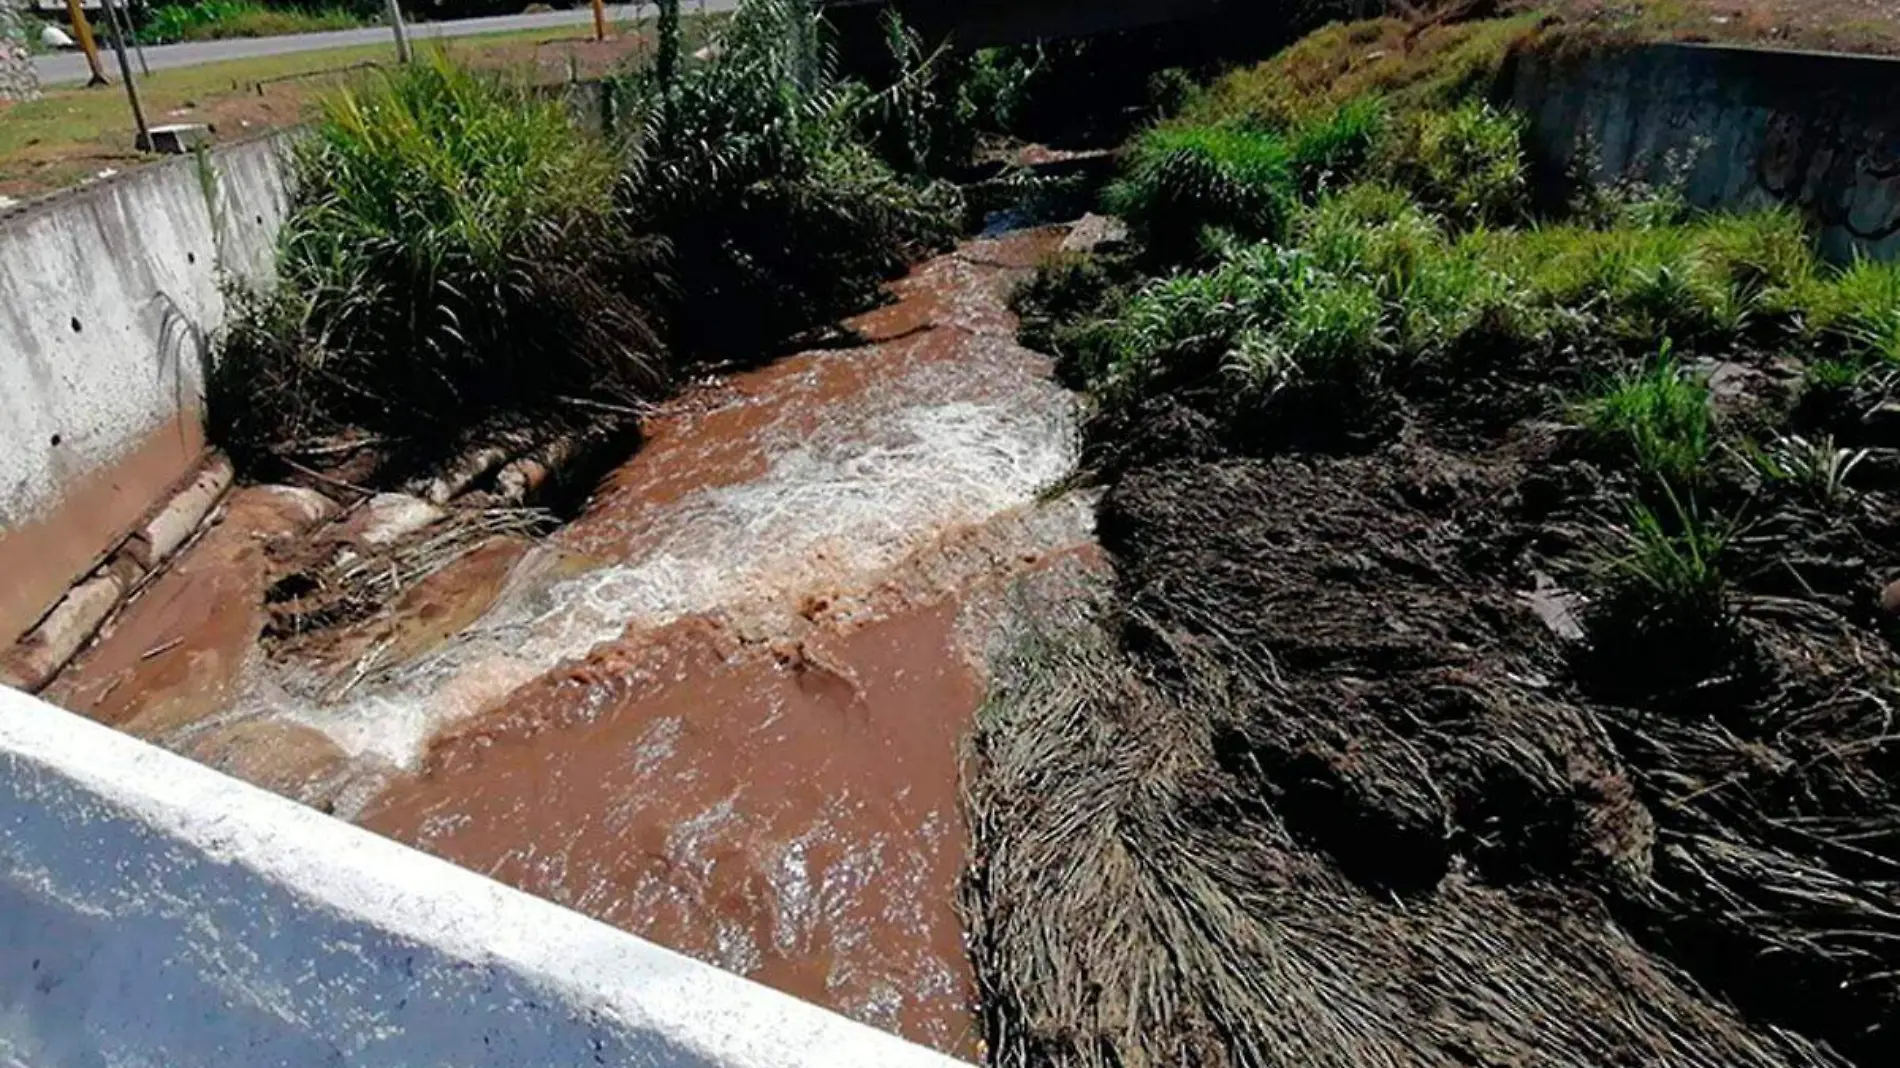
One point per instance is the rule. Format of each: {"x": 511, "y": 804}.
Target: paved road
{"x": 68, "y": 67}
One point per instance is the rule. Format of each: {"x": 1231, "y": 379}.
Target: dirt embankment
{"x": 1870, "y": 26}
{"x": 1347, "y": 775}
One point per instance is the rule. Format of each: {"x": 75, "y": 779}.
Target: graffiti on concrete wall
{"x": 1838, "y": 170}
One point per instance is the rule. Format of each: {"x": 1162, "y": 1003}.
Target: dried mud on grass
{"x": 1323, "y": 783}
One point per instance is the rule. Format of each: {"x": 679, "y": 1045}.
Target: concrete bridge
{"x": 987, "y": 23}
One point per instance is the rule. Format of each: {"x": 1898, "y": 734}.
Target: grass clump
{"x": 1181, "y": 181}
{"x": 1673, "y": 559}
{"x": 1663, "y": 617}
{"x": 1660, "y": 416}
{"x": 1817, "y": 468}
{"x": 1261, "y": 321}
{"x": 1465, "y": 163}
{"x": 1061, "y": 304}
{"x": 451, "y": 251}
{"x": 1858, "y": 308}
{"x": 1334, "y": 149}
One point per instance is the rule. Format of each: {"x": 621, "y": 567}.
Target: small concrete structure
{"x": 175, "y": 139}
{"x": 155, "y": 912}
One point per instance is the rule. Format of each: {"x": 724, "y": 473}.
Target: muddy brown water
{"x": 723, "y": 708}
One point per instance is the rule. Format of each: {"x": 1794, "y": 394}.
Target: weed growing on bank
{"x": 1658, "y": 415}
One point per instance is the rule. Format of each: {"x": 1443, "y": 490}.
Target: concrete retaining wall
{"x": 156, "y": 913}
{"x": 1754, "y": 128}
{"x": 106, "y": 296}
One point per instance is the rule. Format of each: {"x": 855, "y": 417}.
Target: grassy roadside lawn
{"x": 74, "y": 133}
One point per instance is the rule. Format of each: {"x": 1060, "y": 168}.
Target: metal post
{"x": 144, "y": 142}
{"x": 121, "y": 20}
{"x": 402, "y": 33}
{"x": 82, "y": 29}
{"x": 137, "y": 48}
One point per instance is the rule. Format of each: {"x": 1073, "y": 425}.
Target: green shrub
{"x": 1625, "y": 202}
{"x": 1660, "y": 416}
{"x": 1182, "y": 180}
{"x": 1170, "y": 91}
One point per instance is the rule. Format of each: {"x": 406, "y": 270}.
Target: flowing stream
{"x": 723, "y": 708}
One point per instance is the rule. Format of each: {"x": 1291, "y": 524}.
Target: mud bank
{"x": 721, "y": 709}
{"x": 1347, "y": 769}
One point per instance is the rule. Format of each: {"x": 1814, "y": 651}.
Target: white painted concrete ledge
{"x": 154, "y": 912}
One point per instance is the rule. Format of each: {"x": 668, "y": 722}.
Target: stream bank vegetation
{"x": 1500, "y": 665}
{"x": 462, "y": 264}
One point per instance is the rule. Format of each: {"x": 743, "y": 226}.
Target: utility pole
{"x": 121, "y": 20}
{"x": 125, "y": 71}
{"x": 402, "y": 34}
{"x": 600, "y": 20}
{"x": 82, "y": 30}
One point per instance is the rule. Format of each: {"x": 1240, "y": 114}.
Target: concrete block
{"x": 176, "y": 139}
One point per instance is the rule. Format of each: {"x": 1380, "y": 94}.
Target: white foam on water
{"x": 893, "y": 470}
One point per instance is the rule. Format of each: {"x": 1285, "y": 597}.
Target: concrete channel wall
{"x": 106, "y": 297}
{"x": 1745, "y": 127}
{"x": 156, "y": 913}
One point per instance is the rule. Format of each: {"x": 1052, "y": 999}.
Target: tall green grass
{"x": 1660, "y": 416}
{"x": 1181, "y": 181}
{"x": 452, "y": 251}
